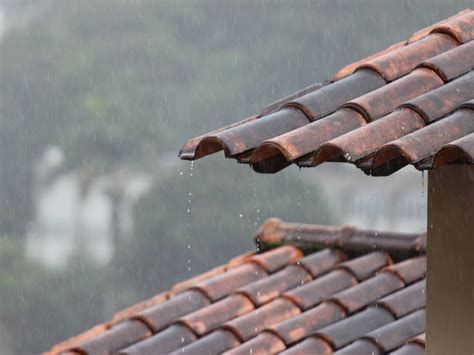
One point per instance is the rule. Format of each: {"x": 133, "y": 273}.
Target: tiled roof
{"x": 310, "y": 290}
{"x": 409, "y": 104}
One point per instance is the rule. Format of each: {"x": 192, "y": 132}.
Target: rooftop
{"x": 411, "y": 103}
{"x": 308, "y": 288}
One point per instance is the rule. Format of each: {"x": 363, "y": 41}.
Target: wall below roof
{"x": 450, "y": 298}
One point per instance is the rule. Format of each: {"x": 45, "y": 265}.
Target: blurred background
{"x": 96, "y": 98}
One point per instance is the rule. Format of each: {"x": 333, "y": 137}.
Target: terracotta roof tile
{"x": 327, "y": 99}
{"x": 223, "y": 284}
{"x": 271, "y": 287}
{"x": 274, "y": 154}
{"x": 116, "y": 338}
{"x": 443, "y": 100}
{"x": 321, "y": 262}
{"x": 410, "y": 349}
{"x": 264, "y": 343}
{"x": 315, "y": 292}
{"x": 367, "y": 265}
{"x": 310, "y": 346}
{"x": 171, "y": 338}
{"x": 280, "y": 300}
{"x": 381, "y": 102}
{"x": 395, "y": 334}
{"x": 460, "y": 150}
{"x": 409, "y": 270}
{"x": 427, "y": 30}
{"x": 305, "y": 324}
{"x": 209, "y": 318}
{"x": 460, "y": 27}
{"x": 370, "y": 114}
{"x": 214, "y": 343}
{"x": 361, "y": 346}
{"x": 405, "y": 301}
{"x": 423, "y": 143}
{"x": 453, "y": 63}
{"x": 357, "y": 297}
{"x": 347, "y": 330}
{"x": 402, "y": 61}
{"x": 162, "y": 314}
{"x": 256, "y": 321}
{"x": 277, "y": 258}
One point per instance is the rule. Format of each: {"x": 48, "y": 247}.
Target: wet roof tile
{"x": 285, "y": 298}
{"x": 368, "y": 113}
{"x": 349, "y": 329}
{"x": 395, "y": 334}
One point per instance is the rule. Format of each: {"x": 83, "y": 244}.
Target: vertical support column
{"x": 450, "y": 278}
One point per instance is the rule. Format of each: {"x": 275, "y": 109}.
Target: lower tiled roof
{"x": 310, "y": 290}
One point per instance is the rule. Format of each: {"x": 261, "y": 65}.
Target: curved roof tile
{"x": 344, "y": 293}
{"x": 363, "y": 115}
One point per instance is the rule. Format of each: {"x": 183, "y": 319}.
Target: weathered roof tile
{"x": 363, "y": 116}
{"x": 278, "y": 300}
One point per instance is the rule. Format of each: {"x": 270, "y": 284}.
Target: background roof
{"x": 343, "y": 290}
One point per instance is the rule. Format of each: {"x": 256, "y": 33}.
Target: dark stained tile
{"x": 404, "y": 59}
{"x": 366, "y": 265}
{"x": 452, "y": 63}
{"x": 366, "y": 140}
{"x": 275, "y": 106}
{"x": 222, "y": 285}
{"x": 410, "y": 349}
{"x": 254, "y": 322}
{"x": 395, "y": 334}
{"x": 315, "y": 292}
{"x": 162, "y": 314}
{"x": 211, "y": 317}
{"x": 347, "y": 330}
{"x": 168, "y": 340}
{"x": 443, "y": 100}
{"x": 405, "y": 301}
{"x": 384, "y": 100}
{"x": 264, "y": 343}
{"x": 310, "y": 346}
{"x": 328, "y": 99}
{"x": 214, "y": 343}
{"x": 248, "y": 135}
{"x": 359, "y": 347}
{"x": 321, "y": 262}
{"x": 460, "y": 150}
{"x": 189, "y": 150}
{"x": 427, "y": 30}
{"x": 425, "y": 142}
{"x": 274, "y": 154}
{"x": 461, "y": 27}
{"x": 116, "y": 338}
{"x": 359, "y": 296}
{"x": 409, "y": 270}
{"x": 305, "y": 324}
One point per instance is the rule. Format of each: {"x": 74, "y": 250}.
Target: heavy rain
{"x": 98, "y": 213}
